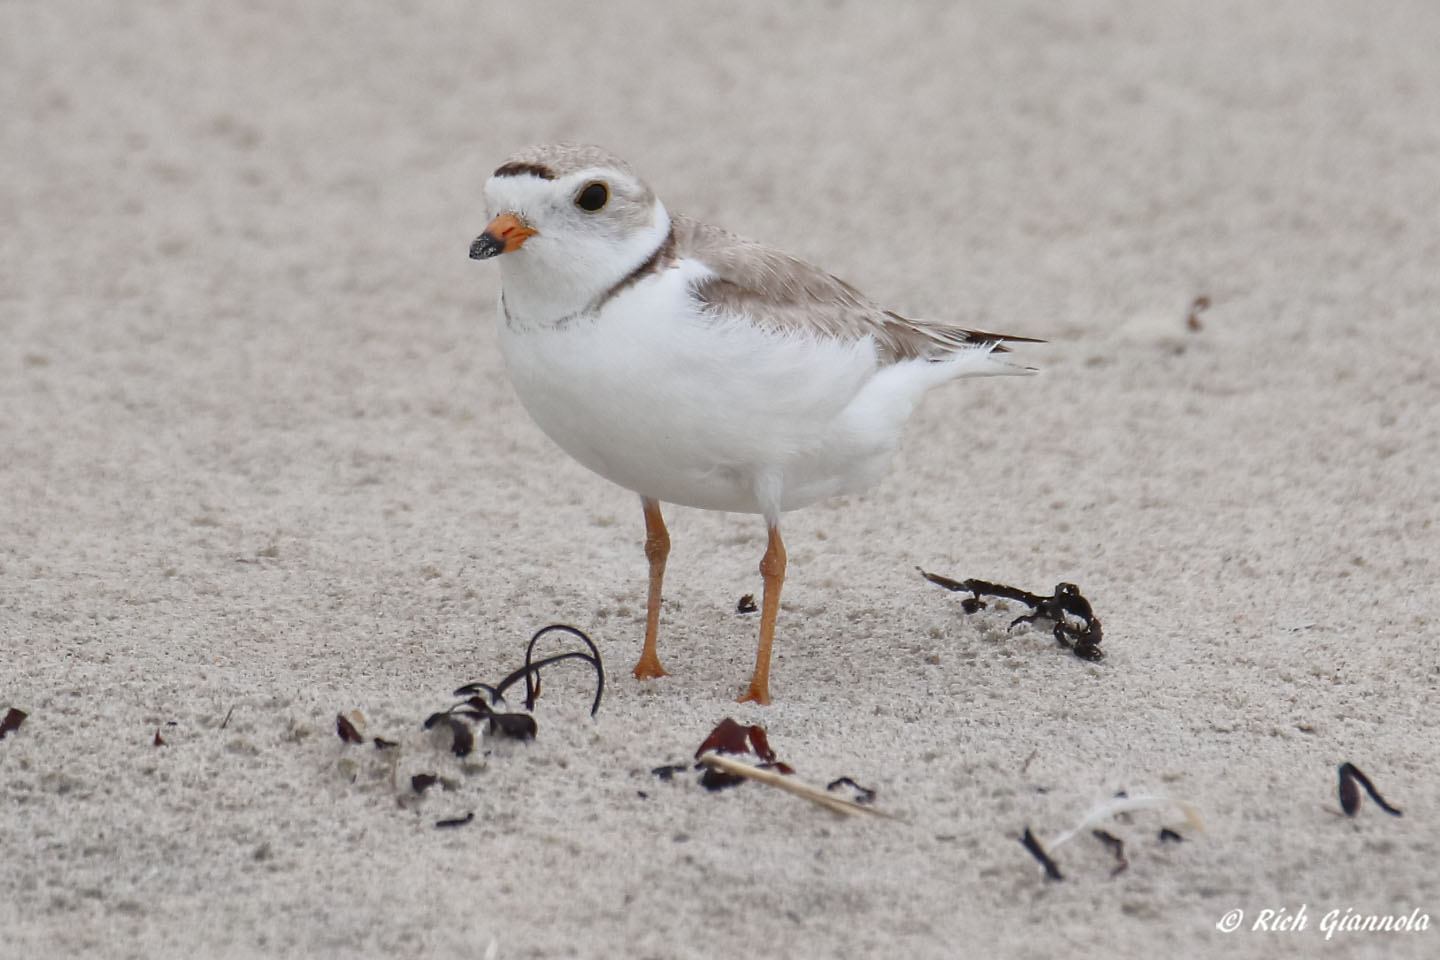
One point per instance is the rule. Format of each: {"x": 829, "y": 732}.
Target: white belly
{"x": 706, "y": 412}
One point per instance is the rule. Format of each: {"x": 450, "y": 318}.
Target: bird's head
{"x": 570, "y": 222}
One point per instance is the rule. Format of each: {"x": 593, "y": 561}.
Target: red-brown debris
{"x": 346, "y": 730}
{"x": 13, "y": 718}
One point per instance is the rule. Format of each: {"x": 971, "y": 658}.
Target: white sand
{"x": 257, "y": 454}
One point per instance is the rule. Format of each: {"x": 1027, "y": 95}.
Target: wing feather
{"x": 787, "y": 294}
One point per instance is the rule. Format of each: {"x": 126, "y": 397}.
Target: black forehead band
{"x": 519, "y": 168}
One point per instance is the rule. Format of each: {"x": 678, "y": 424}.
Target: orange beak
{"x": 504, "y": 234}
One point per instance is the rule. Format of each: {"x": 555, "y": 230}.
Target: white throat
{"x": 550, "y": 280}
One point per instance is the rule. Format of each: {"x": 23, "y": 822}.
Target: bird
{"x": 697, "y": 368}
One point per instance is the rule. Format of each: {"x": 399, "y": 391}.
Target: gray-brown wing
{"x": 787, "y": 294}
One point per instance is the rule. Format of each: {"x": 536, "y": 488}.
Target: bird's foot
{"x": 757, "y": 692}
{"x": 649, "y": 667}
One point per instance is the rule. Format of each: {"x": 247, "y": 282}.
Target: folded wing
{"x": 788, "y": 295}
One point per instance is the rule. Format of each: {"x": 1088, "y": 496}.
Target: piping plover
{"x": 697, "y": 368}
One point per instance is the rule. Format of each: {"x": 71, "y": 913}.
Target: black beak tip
{"x": 486, "y": 246}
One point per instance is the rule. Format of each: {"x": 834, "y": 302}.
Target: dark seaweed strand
{"x": 977, "y": 587}
{"x": 1349, "y": 793}
{"x": 940, "y": 581}
{"x": 864, "y": 794}
{"x": 532, "y": 669}
{"x": 594, "y": 659}
{"x": 498, "y": 690}
{"x": 471, "y": 689}
{"x": 1349, "y": 769}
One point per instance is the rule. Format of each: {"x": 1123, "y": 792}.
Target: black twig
{"x": 1052, "y": 872}
{"x": 1116, "y": 846}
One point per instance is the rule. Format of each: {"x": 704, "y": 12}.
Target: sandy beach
{"x": 260, "y": 465}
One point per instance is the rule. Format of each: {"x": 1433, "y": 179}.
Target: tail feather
{"x": 981, "y": 359}
{"x": 998, "y": 339}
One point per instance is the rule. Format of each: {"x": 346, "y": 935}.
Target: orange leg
{"x": 772, "y": 570}
{"x": 657, "y": 548}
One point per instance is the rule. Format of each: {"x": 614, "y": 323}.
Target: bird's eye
{"x": 592, "y": 197}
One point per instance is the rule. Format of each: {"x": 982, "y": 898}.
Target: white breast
{"x": 707, "y": 411}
